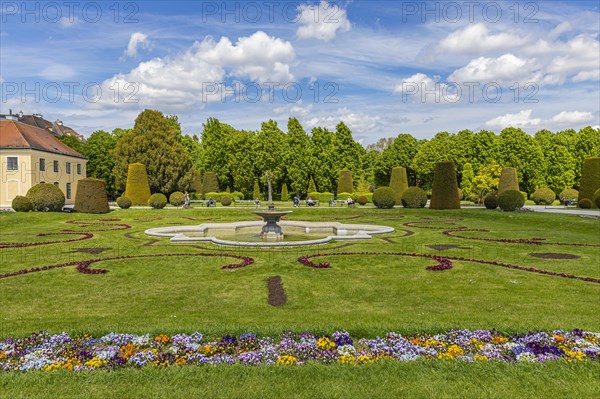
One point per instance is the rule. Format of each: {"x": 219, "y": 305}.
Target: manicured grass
{"x": 366, "y": 295}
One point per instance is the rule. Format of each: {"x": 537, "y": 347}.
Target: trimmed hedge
{"x": 157, "y": 201}
{"x": 236, "y": 195}
{"x": 384, "y": 198}
{"x": 210, "y": 183}
{"x": 344, "y": 196}
{"x": 285, "y": 195}
{"x": 543, "y": 196}
{"x": 322, "y": 197}
{"x": 590, "y": 178}
{"x": 585, "y": 203}
{"x": 596, "y": 199}
{"x": 196, "y": 184}
{"x": 123, "y": 202}
{"x": 137, "y": 188}
{"x": 511, "y": 200}
{"x": 398, "y": 183}
{"x": 444, "y": 193}
{"x": 491, "y": 201}
{"x": 345, "y": 182}
{"x": 362, "y": 199}
{"x": 226, "y": 200}
{"x": 414, "y": 197}
{"x": 46, "y": 197}
{"x": 91, "y": 196}
{"x": 508, "y": 180}
{"x": 177, "y": 198}
{"x": 568, "y": 193}
{"x": 21, "y": 204}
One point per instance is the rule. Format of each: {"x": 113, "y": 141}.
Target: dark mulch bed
{"x": 276, "y": 291}
{"x": 549, "y": 255}
{"x": 94, "y": 251}
{"x": 441, "y": 247}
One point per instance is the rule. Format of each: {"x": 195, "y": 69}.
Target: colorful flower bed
{"x": 42, "y": 351}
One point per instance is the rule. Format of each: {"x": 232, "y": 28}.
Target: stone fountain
{"x": 271, "y": 230}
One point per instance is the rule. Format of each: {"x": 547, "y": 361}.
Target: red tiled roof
{"x": 19, "y": 135}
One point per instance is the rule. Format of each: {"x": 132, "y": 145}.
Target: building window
{"x": 78, "y": 168}
{"x": 42, "y": 164}
{"x": 68, "y": 167}
{"x": 68, "y": 190}
{"x": 12, "y": 163}
{"x": 56, "y": 184}
{"x": 56, "y": 166}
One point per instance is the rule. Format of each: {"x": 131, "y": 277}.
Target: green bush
{"x": 22, "y": 204}
{"x": 585, "y": 203}
{"x": 214, "y": 195}
{"x": 543, "y": 196}
{"x": 255, "y": 192}
{"x": 508, "y": 180}
{"x": 525, "y": 196}
{"x": 137, "y": 188}
{"x": 444, "y": 193}
{"x": 590, "y": 178}
{"x": 226, "y": 200}
{"x": 91, "y": 196}
{"x": 460, "y": 195}
{"x": 511, "y": 200}
{"x": 123, "y": 202}
{"x": 285, "y": 196}
{"x": 414, "y": 197}
{"x": 312, "y": 187}
{"x": 362, "y": 199}
{"x": 177, "y": 198}
{"x": 196, "y": 184}
{"x": 475, "y": 198}
{"x": 568, "y": 193}
{"x": 322, "y": 197}
{"x": 46, "y": 197}
{"x": 237, "y": 195}
{"x": 398, "y": 183}
{"x": 384, "y": 198}
{"x": 491, "y": 201}
{"x": 210, "y": 183}
{"x": 596, "y": 199}
{"x": 157, "y": 201}
{"x": 345, "y": 184}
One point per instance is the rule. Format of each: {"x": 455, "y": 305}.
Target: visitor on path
{"x": 331, "y": 202}
{"x": 210, "y": 202}
{"x": 186, "y": 200}
{"x": 310, "y": 201}
{"x": 257, "y": 202}
{"x": 296, "y": 201}
{"x": 350, "y": 202}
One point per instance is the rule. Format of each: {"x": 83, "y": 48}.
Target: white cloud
{"x": 520, "y": 119}
{"x": 358, "y": 123}
{"x": 68, "y": 22}
{"x": 137, "y": 39}
{"x": 573, "y": 117}
{"x": 321, "y": 22}
{"x": 507, "y": 68}
{"x": 58, "y": 72}
{"x": 477, "y": 38}
{"x": 426, "y": 89}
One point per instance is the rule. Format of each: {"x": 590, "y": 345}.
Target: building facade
{"x": 31, "y": 155}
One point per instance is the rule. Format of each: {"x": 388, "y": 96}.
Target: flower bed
{"x": 42, "y": 351}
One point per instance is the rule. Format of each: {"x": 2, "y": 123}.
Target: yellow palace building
{"x": 30, "y": 155}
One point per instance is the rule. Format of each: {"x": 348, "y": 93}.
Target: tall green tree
{"x": 587, "y": 144}
{"x": 523, "y": 152}
{"x": 215, "y": 140}
{"x": 323, "y": 164}
{"x": 241, "y": 161}
{"x": 466, "y": 184}
{"x": 72, "y": 142}
{"x": 439, "y": 148}
{"x": 297, "y": 156}
{"x": 348, "y": 153}
{"x": 154, "y": 142}
{"x": 98, "y": 151}
{"x": 268, "y": 147}
{"x": 400, "y": 152}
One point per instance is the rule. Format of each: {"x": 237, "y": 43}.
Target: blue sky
{"x": 383, "y": 67}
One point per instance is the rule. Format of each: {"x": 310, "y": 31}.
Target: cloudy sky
{"x": 383, "y": 67}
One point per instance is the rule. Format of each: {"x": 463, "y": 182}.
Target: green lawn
{"x": 364, "y": 294}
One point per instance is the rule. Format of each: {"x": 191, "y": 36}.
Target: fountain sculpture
{"x": 271, "y": 230}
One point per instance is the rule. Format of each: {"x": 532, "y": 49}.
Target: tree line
{"x": 240, "y": 158}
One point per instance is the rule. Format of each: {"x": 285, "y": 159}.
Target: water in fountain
{"x": 271, "y": 230}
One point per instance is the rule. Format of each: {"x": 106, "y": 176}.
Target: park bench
{"x": 244, "y": 202}
{"x": 315, "y": 203}
{"x": 569, "y": 201}
{"x": 201, "y": 202}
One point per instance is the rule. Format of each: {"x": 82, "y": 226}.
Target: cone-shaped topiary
{"x": 543, "y": 196}
{"x": 256, "y": 191}
{"x": 414, "y": 197}
{"x": 312, "y": 187}
{"x": 21, "y": 204}
{"x": 46, "y": 197}
{"x": 596, "y": 199}
{"x": 196, "y": 184}
{"x": 444, "y": 193}
{"x": 590, "y": 178}
{"x": 345, "y": 182}
{"x": 508, "y": 180}
{"x": 398, "y": 183}
{"x": 384, "y": 198}
{"x": 124, "y": 202}
{"x": 157, "y": 201}
{"x": 137, "y": 188}
{"x": 210, "y": 184}
{"x": 285, "y": 196}
{"x": 91, "y": 196}
{"x": 491, "y": 201}
{"x": 511, "y": 200}
{"x": 177, "y": 198}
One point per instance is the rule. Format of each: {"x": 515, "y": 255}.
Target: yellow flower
{"x": 346, "y": 359}
{"x": 95, "y": 362}
{"x": 287, "y": 360}
{"x": 481, "y": 358}
{"x": 325, "y": 343}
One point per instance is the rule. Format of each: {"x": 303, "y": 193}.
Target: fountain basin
{"x": 248, "y": 233}
{"x": 271, "y": 229}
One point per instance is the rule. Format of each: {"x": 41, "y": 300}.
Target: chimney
{"x": 59, "y": 122}
{"x": 20, "y": 114}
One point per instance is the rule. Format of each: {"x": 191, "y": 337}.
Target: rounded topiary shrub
{"x": 210, "y": 184}
{"x": 444, "y": 192}
{"x": 590, "y": 178}
{"x": 157, "y": 201}
{"x": 383, "y": 198}
{"x": 123, "y": 202}
{"x": 226, "y": 200}
{"x": 596, "y": 199}
{"x": 585, "y": 203}
{"x": 177, "y": 198}
{"x": 362, "y": 199}
{"x": 345, "y": 182}
{"x": 137, "y": 188}
{"x": 414, "y": 197}
{"x": 508, "y": 180}
{"x": 22, "y": 204}
{"x": 46, "y": 197}
{"x": 491, "y": 201}
{"x": 91, "y": 196}
{"x": 475, "y": 198}
{"x": 543, "y": 196}
{"x": 568, "y": 193}
{"x": 511, "y": 200}
{"x": 398, "y": 183}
